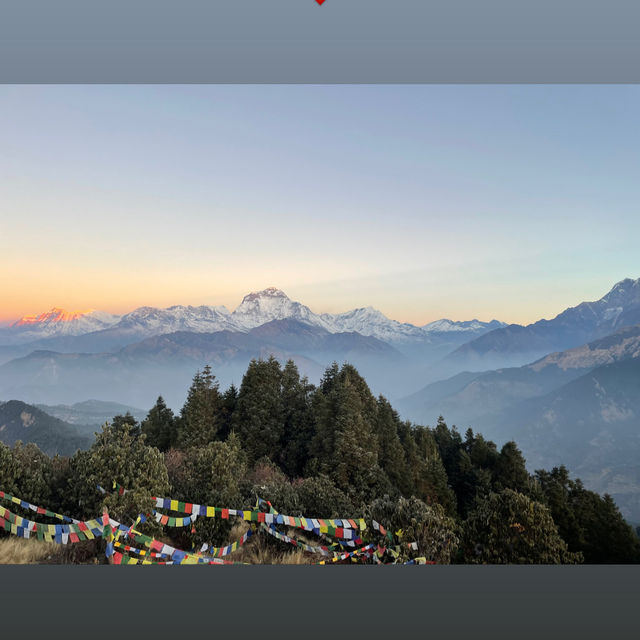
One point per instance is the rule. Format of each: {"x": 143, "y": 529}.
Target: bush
{"x": 510, "y": 528}
{"x": 428, "y": 525}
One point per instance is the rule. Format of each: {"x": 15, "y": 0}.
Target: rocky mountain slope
{"x": 24, "y": 422}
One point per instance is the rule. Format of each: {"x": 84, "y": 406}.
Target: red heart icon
{"x": 320, "y": 1}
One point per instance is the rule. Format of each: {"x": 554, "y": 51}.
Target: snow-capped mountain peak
{"x": 152, "y": 321}
{"x": 60, "y": 322}
{"x": 260, "y": 307}
{"x": 623, "y": 293}
{"x": 269, "y": 292}
{"x": 371, "y": 322}
{"x": 446, "y": 325}
{"x": 53, "y": 315}
{"x": 257, "y": 308}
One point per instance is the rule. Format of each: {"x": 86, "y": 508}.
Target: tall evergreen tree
{"x": 160, "y": 426}
{"x": 126, "y": 423}
{"x": 511, "y": 471}
{"x": 345, "y": 445}
{"x": 298, "y": 423}
{"x": 325, "y": 402}
{"x": 390, "y": 452}
{"x": 258, "y": 417}
{"x": 229, "y": 401}
{"x": 434, "y": 482}
{"x": 200, "y": 418}
{"x": 590, "y": 523}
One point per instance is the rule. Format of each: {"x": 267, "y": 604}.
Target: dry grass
{"x": 260, "y": 549}
{"x": 31, "y": 551}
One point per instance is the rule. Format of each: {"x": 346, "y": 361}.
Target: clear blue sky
{"x": 423, "y": 201}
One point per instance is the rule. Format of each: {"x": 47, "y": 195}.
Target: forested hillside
{"x": 331, "y": 451}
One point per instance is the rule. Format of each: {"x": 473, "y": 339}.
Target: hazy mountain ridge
{"x": 592, "y": 426}
{"x": 27, "y": 423}
{"x": 165, "y": 364}
{"x": 514, "y": 345}
{"x": 580, "y": 407}
{"x": 470, "y": 395}
{"x": 90, "y": 414}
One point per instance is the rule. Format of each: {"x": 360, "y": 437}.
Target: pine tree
{"x": 434, "y": 482}
{"x": 511, "y": 471}
{"x": 200, "y": 418}
{"x": 160, "y": 426}
{"x": 590, "y": 523}
{"x": 126, "y": 423}
{"x": 298, "y": 420}
{"x": 229, "y": 401}
{"x": 390, "y": 452}
{"x": 258, "y": 417}
{"x": 345, "y": 445}
{"x": 324, "y": 403}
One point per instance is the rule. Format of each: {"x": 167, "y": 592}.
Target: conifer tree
{"x": 229, "y": 401}
{"x": 590, "y": 523}
{"x": 434, "y": 481}
{"x": 345, "y": 445}
{"x": 200, "y": 418}
{"x": 298, "y": 424}
{"x": 126, "y": 423}
{"x": 258, "y": 416}
{"x": 511, "y": 471}
{"x": 325, "y": 403}
{"x": 391, "y": 454}
{"x": 160, "y": 426}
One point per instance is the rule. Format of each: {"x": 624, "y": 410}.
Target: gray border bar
{"x": 342, "y": 41}
{"x": 322, "y": 602}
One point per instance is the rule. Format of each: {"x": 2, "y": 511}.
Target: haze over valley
{"x": 566, "y": 388}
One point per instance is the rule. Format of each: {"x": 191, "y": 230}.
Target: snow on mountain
{"x": 59, "y": 322}
{"x": 257, "y": 308}
{"x": 371, "y": 322}
{"x": 152, "y": 321}
{"x": 260, "y": 307}
{"x": 446, "y": 325}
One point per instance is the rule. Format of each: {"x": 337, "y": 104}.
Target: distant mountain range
{"x": 90, "y": 415}
{"x": 165, "y": 364}
{"x": 514, "y": 345}
{"x": 97, "y": 331}
{"x": 65, "y": 365}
